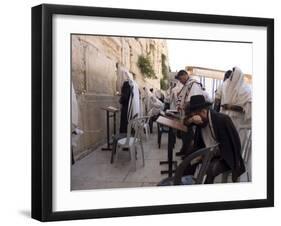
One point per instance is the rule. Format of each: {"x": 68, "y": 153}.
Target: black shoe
{"x": 125, "y": 149}
{"x": 180, "y": 153}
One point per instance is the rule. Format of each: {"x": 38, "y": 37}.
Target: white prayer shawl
{"x": 191, "y": 88}
{"x": 76, "y": 133}
{"x": 219, "y": 92}
{"x": 122, "y": 76}
{"x": 208, "y": 133}
{"x": 236, "y": 92}
{"x": 134, "y": 109}
{"x": 174, "y": 96}
{"x": 147, "y": 100}
{"x": 75, "y": 109}
{"x": 156, "y": 106}
{"x": 158, "y": 94}
{"x": 167, "y": 96}
{"x": 168, "y": 92}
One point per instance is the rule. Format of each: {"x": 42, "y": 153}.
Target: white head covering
{"x": 134, "y": 102}
{"x": 156, "y": 106}
{"x": 75, "y": 109}
{"x": 122, "y": 75}
{"x": 235, "y": 91}
{"x": 147, "y": 98}
{"x": 134, "y": 109}
{"x": 74, "y": 119}
{"x": 158, "y": 94}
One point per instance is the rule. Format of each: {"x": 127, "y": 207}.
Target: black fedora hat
{"x": 198, "y": 102}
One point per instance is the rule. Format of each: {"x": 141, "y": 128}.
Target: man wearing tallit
{"x": 75, "y": 131}
{"x": 152, "y": 104}
{"x": 218, "y": 92}
{"x": 129, "y": 99}
{"x": 191, "y": 87}
{"x": 175, "y": 89}
{"x": 153, "y": 107}
{"x": 147, "y": 95}
{"x": 122, "y": 76}
{"x": 236, "y": 101}
{"x": 135, "y": 100}
{"x": 156, "y": 106}
{"x": 171, "y": 94}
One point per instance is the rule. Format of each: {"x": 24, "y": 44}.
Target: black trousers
{"x": 72, "y": 157}
{"x": 151, "y": 120}
{"x": 187, "y": 138}
{"x": 216, "y": 167}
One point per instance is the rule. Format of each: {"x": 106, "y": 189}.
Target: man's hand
{"x": 226, "y": 106}
{"x": 232, "y": 107}
{"x": 196, "y": 119}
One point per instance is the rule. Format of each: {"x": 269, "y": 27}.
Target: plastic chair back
{"x": 206, "y": 153}
{"x": 137, "y": 125}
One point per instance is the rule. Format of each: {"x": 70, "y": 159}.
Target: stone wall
{"x": 94, "y": 60}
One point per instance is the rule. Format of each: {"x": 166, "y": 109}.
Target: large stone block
{"x": 78, "y": 64}
{"x": 100, "y": 72}
{"x": 94, "y": 77}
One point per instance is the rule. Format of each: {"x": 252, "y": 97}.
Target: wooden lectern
{"x": 113, "y": 112}
{"x": 172, "y": 124}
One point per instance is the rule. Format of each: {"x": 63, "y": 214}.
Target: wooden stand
{"x": 113, "y": 112}
{"x": 172, "y": 124}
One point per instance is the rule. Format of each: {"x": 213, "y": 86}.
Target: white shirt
{"x": 219, "y": 92}
{"x": 208, "y": 134}
{"x": 186, "y": 92}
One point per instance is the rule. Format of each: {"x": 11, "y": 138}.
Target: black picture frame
{"x": 42, "y": 107}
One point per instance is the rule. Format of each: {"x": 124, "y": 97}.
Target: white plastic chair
{"x": 246, "y": 151}
{"x": 131, "y": 142}
{"x": 146, "y": 128}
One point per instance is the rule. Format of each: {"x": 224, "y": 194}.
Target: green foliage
{"x": 145, "y": 67}
{"x": 164, "y": 84}
{"x": 164, "y": 81}
{"x": 164, "y": 67}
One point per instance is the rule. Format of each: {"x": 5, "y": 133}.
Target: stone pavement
{"x": 95, "y": 171}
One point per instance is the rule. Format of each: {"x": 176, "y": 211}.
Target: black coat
{"x": 126, "y": 91}
{"x": 229, "y": 142}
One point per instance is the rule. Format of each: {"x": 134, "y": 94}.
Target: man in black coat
{"x": 126, "y": 92}
{"x": 215, "y": 128}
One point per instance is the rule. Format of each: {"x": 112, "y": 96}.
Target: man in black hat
{"x": 215, "y": 128}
